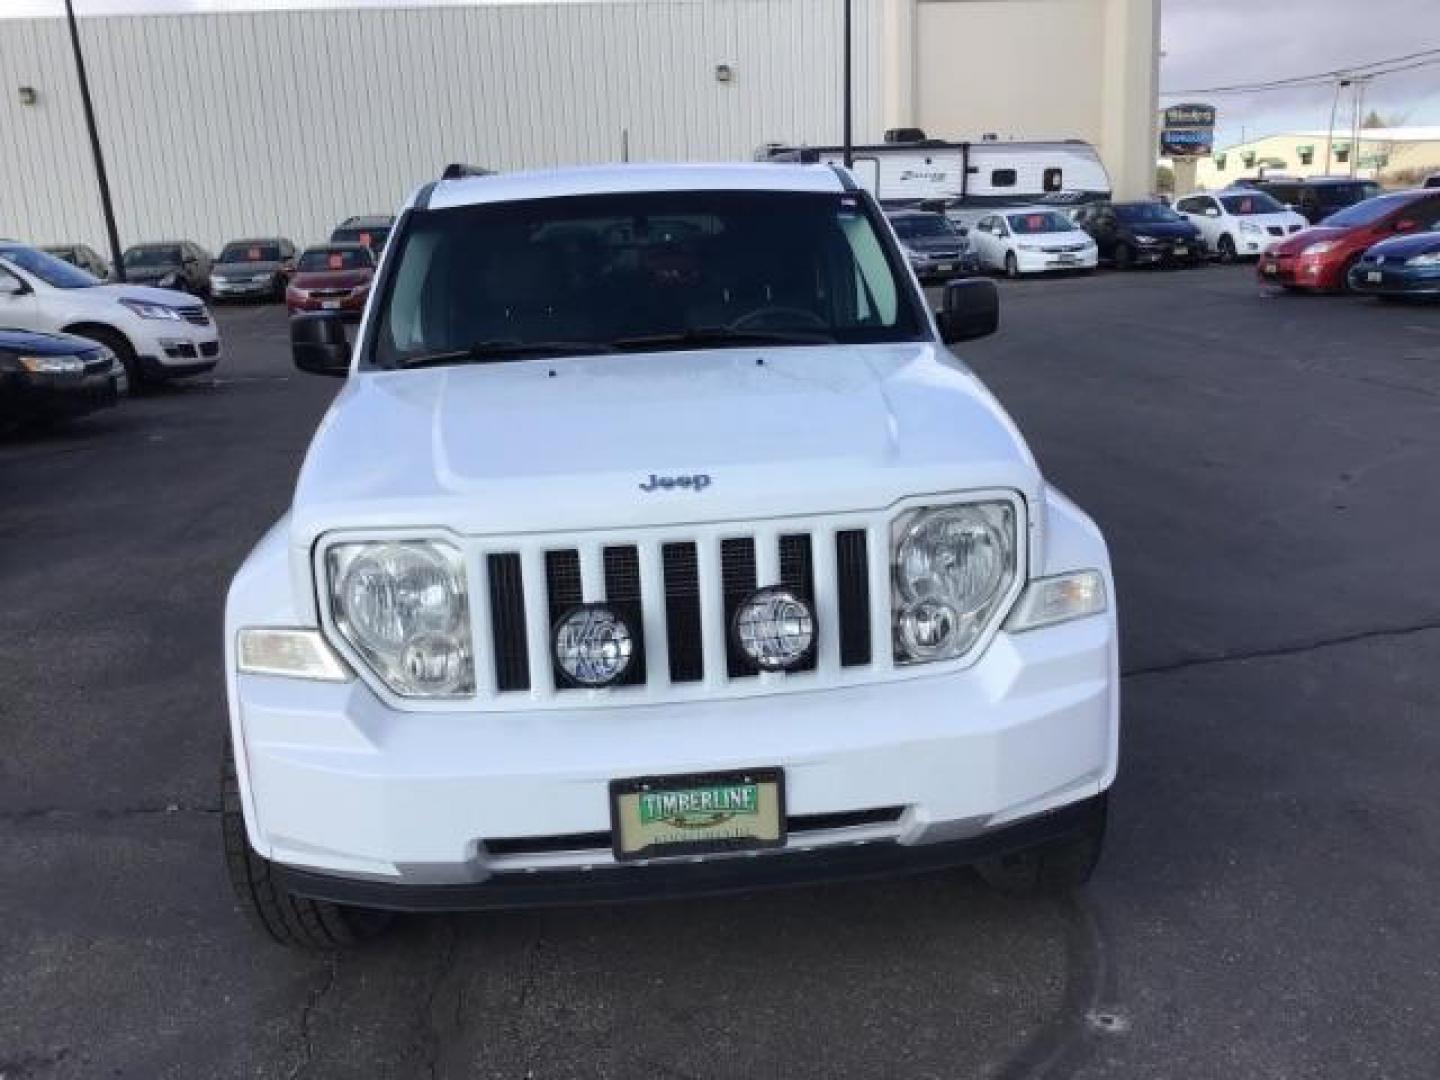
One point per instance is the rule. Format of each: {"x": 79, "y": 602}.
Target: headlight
{"x": 52, "y": 365}
{"x": 1319, "y": 248}
{"x": 952, "y": 566}
{"x": 1430, "y": 258}
{"x": 403, "y": 607}
{"x": 148, "y": 310}
{"x": 1052, "y": 600}
{"x": 259, "y": 279}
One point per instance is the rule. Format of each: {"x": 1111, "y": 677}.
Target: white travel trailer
{"x": 916, "y": 171}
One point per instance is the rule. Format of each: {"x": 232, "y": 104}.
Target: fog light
{"x": 593, "y": 646}
{"x": 928, "y": 629}
{"x": 775, "y": 629}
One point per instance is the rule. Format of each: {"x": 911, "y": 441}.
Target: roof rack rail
{"x": 456, "y": 170}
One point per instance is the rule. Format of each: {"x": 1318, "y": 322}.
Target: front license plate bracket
{"x": 653, "y": 817}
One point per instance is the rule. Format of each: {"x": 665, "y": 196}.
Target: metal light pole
{"x": 106, "y": 207}
{"x": 849, "y": 118}
{"x": 1356, "y": 129}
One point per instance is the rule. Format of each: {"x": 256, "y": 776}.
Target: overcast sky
{"x": 1207, "y": 43}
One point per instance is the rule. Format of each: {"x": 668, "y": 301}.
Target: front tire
{"x": 1124, "y": 257}
{"x": 1054, "y": 867}
{"x": 1012, "y": 265}
{"x": 287, "y": 919}
{"x": 120, "y": 345}
{"x": 1226, "y": 249}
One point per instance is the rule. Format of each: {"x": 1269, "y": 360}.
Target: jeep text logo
{"x": 687, "y": 482}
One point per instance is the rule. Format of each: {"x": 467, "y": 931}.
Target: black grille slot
{"x": 622, "y": 593}
{"x": 849, "y": 819}
{"x": 682, "y": 613}
{"x": 507, "y": 622}
{"x": 737, "y": 581}
{"x": 797, "y": 574}
{"x": 852, "y": 587}
{"x": 562, "y": 592}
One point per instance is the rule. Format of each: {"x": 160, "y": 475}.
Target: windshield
{"x": 643, "y": 271}
{"x": 153, "y": 256}
{"x": 1256, "y": 202}
{"x": 1367, "y": 212}
{"x": 1041, "y": 221}
{"x": 57, "y": 273}
{"x": 250, "y": 252}
{"x": 371, "y": 237}
{"x": 1137, "y": 213}
{"x": 922, "y": 226}
{"x": 318, "y": 259}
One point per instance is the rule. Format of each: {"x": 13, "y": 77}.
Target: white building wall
{"x": 218, "y": 126}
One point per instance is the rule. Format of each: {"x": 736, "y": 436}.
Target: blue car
{"x": 1401, "y": 266}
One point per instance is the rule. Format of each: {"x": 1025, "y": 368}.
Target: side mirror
{"x": 971, "y": 310}
{"x": 318, "y": 344}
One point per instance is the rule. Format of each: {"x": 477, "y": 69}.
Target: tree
{"x": 1374, "y": 120}
{"x": 1164, "y": 180}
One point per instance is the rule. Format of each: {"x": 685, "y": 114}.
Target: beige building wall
{"x": 1404, "y": 152}
{"x": 1031, "y": 69}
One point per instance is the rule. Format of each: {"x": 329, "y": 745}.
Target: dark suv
{"x": 1320, "y": 196}
{"x": 1132, "y": 234}
{"x": 172, "y": 264}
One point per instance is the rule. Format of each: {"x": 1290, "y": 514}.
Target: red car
{"x": 335, "y": 277}
{"x": 1319, "y": 258}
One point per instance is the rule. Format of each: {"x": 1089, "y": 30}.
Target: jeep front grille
{"x": 679, "y": 596}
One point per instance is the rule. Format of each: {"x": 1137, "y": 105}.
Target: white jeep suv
{"x": 156, "y": 334}
{"x": 657, "y": 543}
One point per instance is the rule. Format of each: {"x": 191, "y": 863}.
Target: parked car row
{"x": 1388, "y": 245}
{"x": 258, "y": 268}
{"x": 71, "y": 342}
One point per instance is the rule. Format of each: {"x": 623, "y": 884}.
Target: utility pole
{"x": 1330, "y": 134}
{"x": 1360, "y": 85}
{"x": 849, "y": 62}
{"x": 106, "y": 207}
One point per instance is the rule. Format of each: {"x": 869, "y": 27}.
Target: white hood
{"x": 144, "y": 293}
{"x": 543, "y": 445}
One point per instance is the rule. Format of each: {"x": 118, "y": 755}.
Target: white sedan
{"x": 1240, "y": 223}
{"x": 1032, "y": 242}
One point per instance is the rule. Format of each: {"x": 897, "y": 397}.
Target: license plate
{"x": 1181, "y": 249}
{"x": 944, "y": 268}
{"x": 655, "y": 816}
{"x": 1271, "y": 268}
{"x": 1066, "y": 259}
{"x": 330, "y": 305}
{"x": 1375, "y": 276}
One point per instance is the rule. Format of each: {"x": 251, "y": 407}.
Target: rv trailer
{"x": 934, "y": 173}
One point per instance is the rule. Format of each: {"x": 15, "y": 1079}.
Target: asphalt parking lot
{"x": 1265, "y": 470}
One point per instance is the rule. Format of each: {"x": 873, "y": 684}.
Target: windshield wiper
{"x": 723, "y": 335}
{"x": 505, "y": 349}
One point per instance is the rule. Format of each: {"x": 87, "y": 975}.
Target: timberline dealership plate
{"x": 653, "y": 817}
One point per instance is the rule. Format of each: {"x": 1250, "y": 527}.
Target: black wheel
{"x": 1124, "y": 257}
{"x": 1012, "y": 265}
{"x": 290, "y": 920}
{"x": 1226, "y": 249}
{"x": 1058, "y": 866}
{"x": 1345, "y": 286}
{"x": 120, "y": 345}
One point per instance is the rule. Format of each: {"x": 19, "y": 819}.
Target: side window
{"x": 1054, "y": 179}
{"x": 1425, "y": 213}
{"x": 1002, "y": 177}
{"x": 1001, "y": 229}
{"x": 1189, "y": 206}
{"x": 9, "y": 283}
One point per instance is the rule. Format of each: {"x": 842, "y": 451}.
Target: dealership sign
{"x": 1187, "y": 131}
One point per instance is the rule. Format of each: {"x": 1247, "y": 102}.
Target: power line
{"x": 1422, "y": 58}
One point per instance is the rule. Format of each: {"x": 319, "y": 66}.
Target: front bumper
{"x": 966, "y": 264}
{"x": 338, "y": 784}
{"x": 1185, "y": 253}
{"x": 220, "y": 289}
{"x": 1044, "y": 262}
{"x": 348, "y": 307}
{"x": 1299, "y": 272}
{"x": 1399, "y": 280}
{"x": 25, "y": 396}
